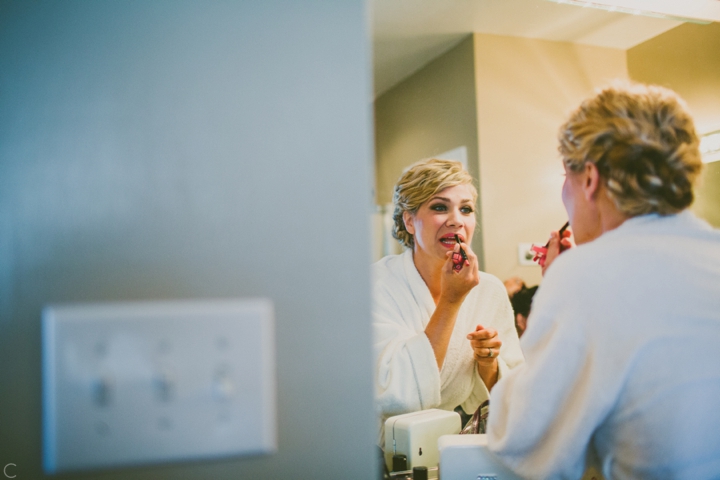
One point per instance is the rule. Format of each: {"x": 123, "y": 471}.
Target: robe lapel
{"x": 419, "y": 289}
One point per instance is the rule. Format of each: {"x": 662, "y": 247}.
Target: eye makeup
{"x": 459, "y": 258}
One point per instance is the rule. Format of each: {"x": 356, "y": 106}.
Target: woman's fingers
{"x": 467, "y": 266}
{"x": 484, "y": 337}
{"x": 556, "y": 245}
{"x": 486, "y": 354}
{"x": 482, "y": 333}
{"x": 485, "y": 344}
{"x": 463, "y": 256}
{"x": 458, "y": 279}
{"x": 492, "y": 343}
{"x": 566, "y": 241}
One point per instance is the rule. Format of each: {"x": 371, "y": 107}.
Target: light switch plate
{"x": 155, "y": 382}
{"x": 525, "y": 255}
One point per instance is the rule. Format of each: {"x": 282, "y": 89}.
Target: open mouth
{"x": 448, "y": 241}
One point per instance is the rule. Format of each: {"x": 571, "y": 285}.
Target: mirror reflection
{"x": 495, "y": 79}
{"x": 487, "y": 85}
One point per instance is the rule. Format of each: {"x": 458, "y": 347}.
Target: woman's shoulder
{"x": 491, "y": 283}
{"x": 388, "y": 270}
{"x": 388, "y": 263}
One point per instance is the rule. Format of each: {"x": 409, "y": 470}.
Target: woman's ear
{"x": 591, "y": 182}
{"x": 408, "y": 220}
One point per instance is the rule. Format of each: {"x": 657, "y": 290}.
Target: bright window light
{"x": 710, "y": 147}
{"x": 697, "y": 11}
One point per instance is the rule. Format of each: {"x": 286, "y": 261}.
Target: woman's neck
{"x": 610, "y": 216}
{"x": 430, "y": 270}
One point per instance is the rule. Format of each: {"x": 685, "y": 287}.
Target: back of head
{"x": 521, "y": 301}
{"x": 418, "y": 184}
{"x": 642, "y": 140}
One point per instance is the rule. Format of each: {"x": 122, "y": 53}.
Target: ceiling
{"x": 407, "y": 34}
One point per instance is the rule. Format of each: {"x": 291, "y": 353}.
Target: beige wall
{"x": 429, "y": 113}
{"x": 687, "y": 59}
{"x": 525, "y": 89}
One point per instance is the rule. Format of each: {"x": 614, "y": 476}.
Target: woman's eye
{"x": 438, "y": 207}
{"x": 466, "y": 210}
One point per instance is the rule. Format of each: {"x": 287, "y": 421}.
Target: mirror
{"x": 498, "y": 78}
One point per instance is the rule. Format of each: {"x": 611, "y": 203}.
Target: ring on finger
{"x": 490, "y": 352}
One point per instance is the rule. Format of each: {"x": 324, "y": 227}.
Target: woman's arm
{"x": 454, "y": 287}
{"x": 497, "y": 336}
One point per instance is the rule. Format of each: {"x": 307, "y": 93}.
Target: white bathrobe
{"x": 622, "y": 357}
{"x": 406, "y": 376}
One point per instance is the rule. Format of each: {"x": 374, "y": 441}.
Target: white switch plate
{"x": 525, "y": 256}
{"x": 154, "y": 382}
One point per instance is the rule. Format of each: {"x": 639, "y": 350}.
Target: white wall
{"x": 178, "y": 149}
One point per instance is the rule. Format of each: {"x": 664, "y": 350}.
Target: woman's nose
{"x": 455, "y": 219}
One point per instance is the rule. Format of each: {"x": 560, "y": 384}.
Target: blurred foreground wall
{"x": 187, "y": 149}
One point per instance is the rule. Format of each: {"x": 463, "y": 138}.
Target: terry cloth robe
{"x": 406, "y": 373}
{"x": 622, "y": 359}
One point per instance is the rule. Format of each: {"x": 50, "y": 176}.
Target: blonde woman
{"x": 623, "y": 340}
{"x": 444, "y": 331}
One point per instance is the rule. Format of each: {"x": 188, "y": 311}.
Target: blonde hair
{"x": 418, "y": 184}
{"x": 642, "y": 140}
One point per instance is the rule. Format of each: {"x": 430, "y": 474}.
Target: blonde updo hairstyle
{"x": 642, "y": 140}
{"x": 418, "y": 184}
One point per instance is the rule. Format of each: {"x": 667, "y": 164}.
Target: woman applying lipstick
{"x": 444, "y": 331}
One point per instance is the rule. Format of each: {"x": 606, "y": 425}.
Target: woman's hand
{"x": 486, "y": 348}
{"x": 556, "y": 246}
{"x": 454, "y": 284}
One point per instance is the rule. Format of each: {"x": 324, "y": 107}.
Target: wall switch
{"x": 153, "y": 382}
{"x": 525, "y": 255}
